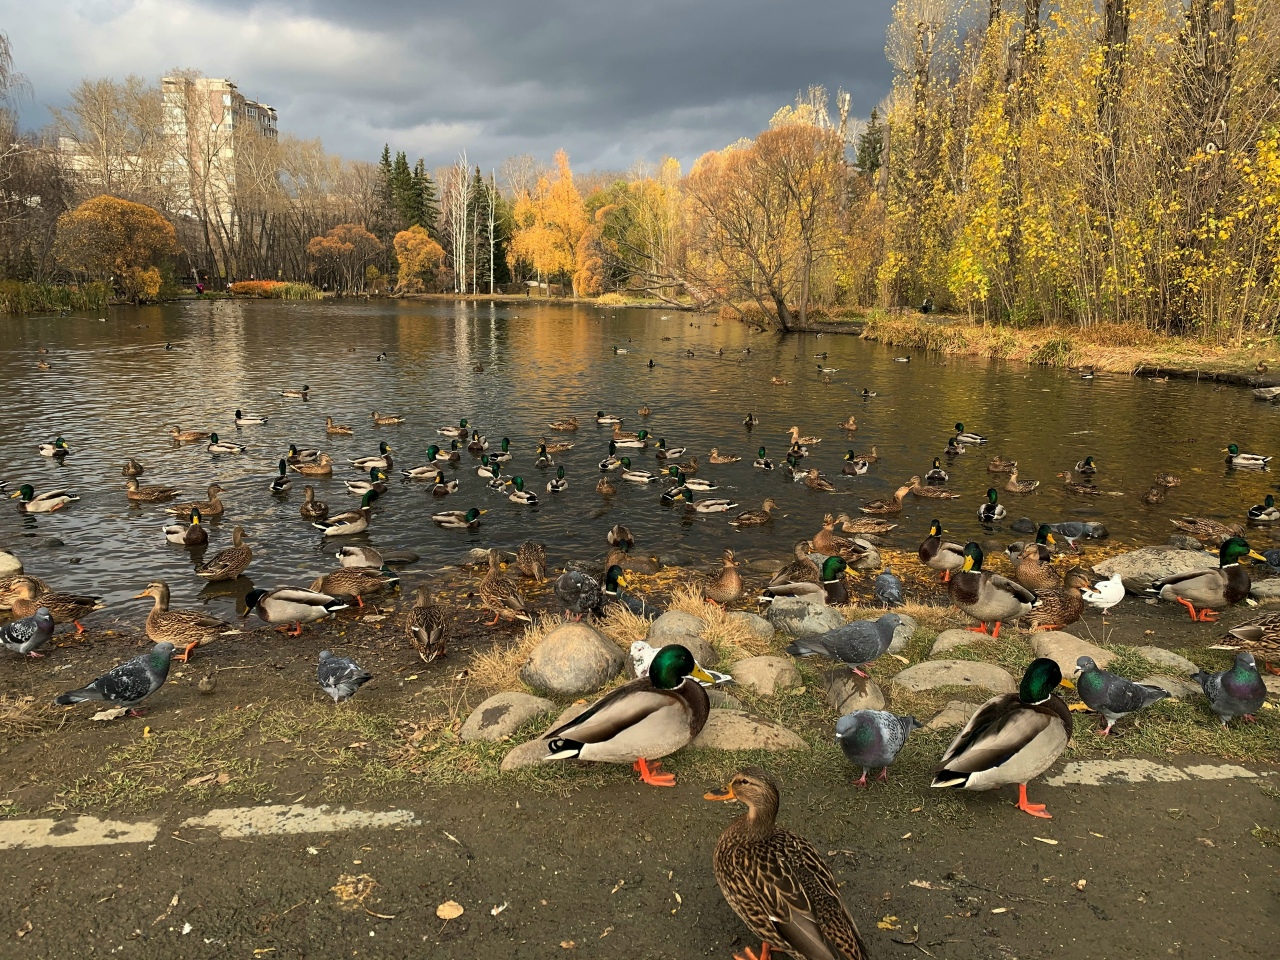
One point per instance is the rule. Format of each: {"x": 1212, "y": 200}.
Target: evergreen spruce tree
{"x": 428, "y": 202}
{"x": 870, "y": 147}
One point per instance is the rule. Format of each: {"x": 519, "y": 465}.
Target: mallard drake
{"x": 29, "y": 594}
{"x": 187, "y": 436}
{"x": 1062, "y": 605}
{"x": 993, "y": 509}
{"x": 647, "y": 718}
{"x": 611, "y": 462}
{"x": 612, "y": 588}
{"x": 382, "y": 461}
{"x": 132, "y": 468}
{"x": 800, "y": 570}
{"x": 229, "y": 563}
{"x": 360, "y": 556}
{"x": 302, "y": 394}
{"x": 565, "y": 425}
{"x": 296, "y": 456}
{"x": 58, "y": 448}
{"x": 520, "y": 494}
{"x": 717, "y": 457}
{"x": 559, "y": 484}
{"x": 606, "y": 419}
{"x": 796, "y": 439}
{"x": 636, "y": 476}
{"x": 751, "y": 420}
{"x": 707, "y": 505}
{"x": 531, "y": 558}
{"x": 1000, "y": 464}
{"x": 985, "y": 596}
{"x": 440, "y": 487}
{"x": 459, "y": 431}
{"x": 1251, "y": 461}
{"x": 887, "y": 507}
{"x": 425, "y": 625}
{"x": 503, "y": 453}
{"x": 312, "y": 509}
{"x": 47, "y": 502}
{"x": 431, "y": 470}
{"x": 777, "y": 882}
{"x": 148, "y": 494}
{"x": 211, "y": 507}
{"x": 756, "y": 518}
{"x": 542, "y": 457}
{"x": 850, "y": 424}
{"x": 1155, "y": 495}
{"x": 663, "y": 452}
{"x": 726, "y": 586}
{"x": 620, "y": 536}
{"x": 920, "y": 489}
{"x": 291, "y": 605}
{"x": 350, "y": 521}
{"x": 1086, "y": 466}
{"x": 500, "y": 594}
{"x": 964, "y": 436}
{"x": 936, "y": 474}
{"x": 1212, "y": 589}
{"x": 377, "y": 481}
{"x": 385, "y": 419}
{"x": 1167, "y": 480}
{"x": 816, "y": 481}
{"x": 1203, "y": 528}
{"x": 639, "y": 441}
{"x": 762, "y": 462}
{"x": 477, "y": 444}
{"x": 864, "y": 526}
{"x": 1261, "y": 637}
{"x": 487, "y": 470}
{"x": 683, "y": 480}
{"x": 1076, "y": 486}
{"x": 244, "y": 420}
{"x": 1012, "y": 738}
{"x": 954, "y": 449}
{"x": 1265, "y": 512}
{"x": 336, "y": 429}
{"x": 282, "y": 483}
{"x": 357, "y": 582}
{"x": 458, "y": 519}
{"x": 832, "y": 591}
{"x": 217, "y": 445}
{"x": 854, "y": 465}
{"x": 192, "y": 534}
{"x": 942, "y": 555}
{"x": 187, "y": 629}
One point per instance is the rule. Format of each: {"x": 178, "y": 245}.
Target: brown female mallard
{"x": 1062, "y": 605}
{"x": 1261, "y": 637}
{"x": 828, "y": 544}
{"x": 565, "y": 425}
{"x": 500, "y": 594}
{"x": 816, "y": 481}
{"x": 321, "y": 466}
{"x": 1014, "y": 485}
{"x": 756, "y": 518}
{"x": 30, "y": 594}
{"x": 132, "y": 468}
{"x": 1033, "y": 564}
{"x": 187, "y": 436}
{"x": 312, "y": 509}
{"x": 385, "y": 419}
{"x": 1154, "y": 495}
{"x": 183, "y": 628}
{"x": 229, "y": 563}
{"x": 717, "y": 457}
{"x": 1076, "y": 486}
{"x": 531, "y": 558}
{"x": 800, "y": 570}
{"x": 777, "y": 882}
{"x": 149, "y": 494}
{"x": 208, "y": 508}
{"x": 1000, "y": 464}
{"x": 1202, "y": 528}
{"x": 919, "y": 489}
{"x": 358, "y": 582}
{"x": 885, "y": 508}
{"x": 336, "y": 429}
{"x": 726, "y": 587}
{"x": 1167, "y": 480}
{"x": 425, "y": 624}
{"x": 10, "y": 585}
{"x": 865, "y": 526}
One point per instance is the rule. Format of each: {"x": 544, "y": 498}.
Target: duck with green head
{"x": 520, "y": 494}
{"x": 993, "y": 509}
{"x": 47, "y": 502}
{"x": 58, "y": 448}
{"x": 559, "y": 484}
{"x": 985, "y": 596}
{"x": 282, "y": 483}
{"x": 936, "y": 474}
{"x": 964, "y": 436}
{"x": 1214, "y": 588}
{"x": 458, "y": 519}
{"x": 1012, "y": 738}
{"x": 1265, "y": 512}
{"x": 503, "y": 453}
{"x": 939, "y": 554}
{"x": 382, "y": 461}
{"x": 762, "y": 461}
{"x": 648, "y": 718}
{"x": 1251, "y": 461}
{"x": 350, "y": 521}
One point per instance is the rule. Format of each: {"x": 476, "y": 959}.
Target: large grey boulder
{"x": 502, "y": 715}
{"x": 800, "y": 618}
{"x": 1167, "y": 659}
{"x": 903, "y": 633}
{"x": 948, "y": 640}
{"x": 1180, "y": 687}
{"x": 571, "y": 660}
{"x": 1066, "y": 649}
{"x": 736, "y": 730}
{"x": 847, "y": 692}
{"x": 686, "y": 630}
{"x": 1140, "y": 568}
{"x": 955, "y": 714}
{"x": 933, "y": 674}
{"x": 1266, "y": 589}
{"x": 9, "y": 564}
{"x": 761, "y": 627}
{"x": 766, "y": 675}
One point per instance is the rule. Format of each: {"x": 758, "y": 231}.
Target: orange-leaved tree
{"x": 420, "y": 259}
{"x": 109, "y": 238}
{"x": 343, "y": 252}
{"x": 550, "y": 223}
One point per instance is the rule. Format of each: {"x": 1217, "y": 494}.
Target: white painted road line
{"x": 1097, "y": 773}
{"x": 73, "y": 832}
{"x": 291, "y": 818}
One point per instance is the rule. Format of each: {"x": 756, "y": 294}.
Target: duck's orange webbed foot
{"x": 651, "y": 776}
{"x": 749, "y": 954}
{"x": 1035, "y": 809}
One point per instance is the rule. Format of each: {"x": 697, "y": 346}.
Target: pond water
{"x": 116, "y": 386}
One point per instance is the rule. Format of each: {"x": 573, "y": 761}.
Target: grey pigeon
{"x": 873, "y": 738}
{"x": 128, "y": 684}
{"x": 888, "y": 589}
{"x": 23, "y": 636}
{"x": 1237, "y": 692}
{"x": 340, "y": 677}
{"x": 579, "y": 593}
{"x": 1112, "y": 696}
{"x": 855, "y": 643}
{"x": 1273, "y": 558}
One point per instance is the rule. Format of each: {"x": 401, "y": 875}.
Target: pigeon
{"x": 642, "y": 655}
{"x": 340, "y": 677}
{"x": 856, "y": 643}
{"x": 888, "y": 589}
{"x": 873, "y": 738}
{"x": 23, "y": 636}
{"x": 579, "y": 593}
{"x": 1237, "y": 692}
{"x": 128, "y": 684}
{"x": 1112, "y": 696}
{"x": 1273, "y": 558}
{"x": 1105, "y": 594}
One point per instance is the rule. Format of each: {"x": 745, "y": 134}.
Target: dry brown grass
{"x": 21, "y": 716}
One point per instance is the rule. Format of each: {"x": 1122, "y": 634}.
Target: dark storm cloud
{"x": 612, "y": 81}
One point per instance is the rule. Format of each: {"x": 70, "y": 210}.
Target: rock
{"x": 724, "y": 700}
{"x": 1265, "y": 589}
{"x": 1272, "y": 683}
{"x": 1167, "y": 658}
{"x": 501, "y": 715}
{"x": 1184, "y": 542}
{"x": 765, "y": 565}
{"x": 903, "y": 634}
{"x": 955, "y": 714}
{"x": 686, "y": 630}
{"x": 950, "y": 639}
{"x": 1140, "y": 568}
{"x": 761, "y": 627}
{"x": 1180, "y": 687}
{"x": 847, "y": 692}
{"x": 800, "y": 618}
{"x": 9, "y": 564}
{"x": 1066, "y": 648}
{"x": 736, "y": 730}
{"x": 571, "y": 660}
{"x": 955, "y": 673}
{"x": 766, "y": 675}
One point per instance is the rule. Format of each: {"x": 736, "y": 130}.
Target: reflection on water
{"x": 116, "y": 387}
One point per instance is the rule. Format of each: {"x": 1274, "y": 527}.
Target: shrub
{"x": 275, "y": 290}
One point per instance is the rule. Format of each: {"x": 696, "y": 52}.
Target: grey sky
{"x": 611, "y": 81}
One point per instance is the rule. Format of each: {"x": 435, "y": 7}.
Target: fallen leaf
{"x": 618, "y": 886}
{"x": 567, "y": 944}
{"x": 1000, "y": 910}
{"x": 497, "y": 910}
{"x": 905, "y": 836}
{"x": 146, "y": 733}
{"x": 1206, "y": 841}
{"x": 111, "y": 713}
{"x": 24, "y": 929}
{"x": 1052, "y": 843}
{"x": 607, "y": 931}
{"x": 352, "y": 891}
{"x": 888, "y": 923}
{"x": 1080, "y": 884}
{"x": 449, "y": 910}
{"x": 1100, "y": 836}
{"x": 926, "y": 885}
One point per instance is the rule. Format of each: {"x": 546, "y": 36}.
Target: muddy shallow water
{"x": 115, "y": 387}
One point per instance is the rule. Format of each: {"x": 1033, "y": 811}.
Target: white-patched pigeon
{"x": 25, "y": 635}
